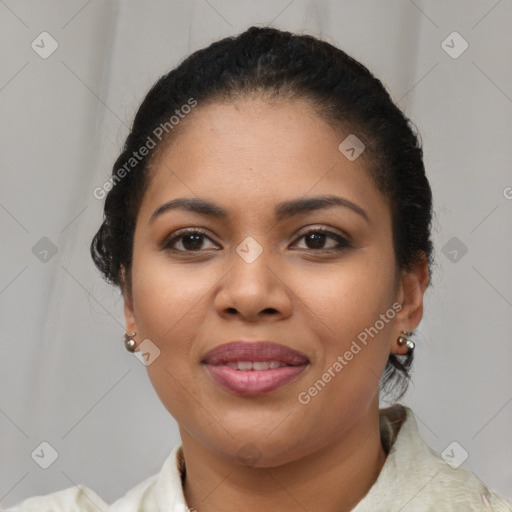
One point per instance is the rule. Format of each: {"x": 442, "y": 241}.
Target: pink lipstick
{"x": 253, "y": 368}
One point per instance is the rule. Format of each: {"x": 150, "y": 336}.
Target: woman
{"x": 268, "y": 223}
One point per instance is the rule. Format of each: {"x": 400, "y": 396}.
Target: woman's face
{"x": 252, "y": 275}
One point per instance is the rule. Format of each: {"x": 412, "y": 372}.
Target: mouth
{"x": 253, "y": 368}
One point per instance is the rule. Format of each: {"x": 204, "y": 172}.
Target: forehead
{"x": 251, "y": 151}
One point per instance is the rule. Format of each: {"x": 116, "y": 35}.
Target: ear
{"x": 129, "y": 315}
{"x": 411, "y": 290}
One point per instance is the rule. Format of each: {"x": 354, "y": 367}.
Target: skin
{"x": 247, "y": 156}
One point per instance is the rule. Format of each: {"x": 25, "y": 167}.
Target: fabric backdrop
{"x": 65, "y": 377}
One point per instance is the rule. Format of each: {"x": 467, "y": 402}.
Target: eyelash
{"x": 343, "y": 243}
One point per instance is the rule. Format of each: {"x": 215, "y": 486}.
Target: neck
{"x": 332, "y": 479}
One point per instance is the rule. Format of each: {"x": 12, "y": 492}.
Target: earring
{"x": 404, "y": 339}
{"x": 129, "y": 342}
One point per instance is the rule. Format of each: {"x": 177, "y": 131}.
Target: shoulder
{"x": 155, "y": 493}
{"x": 73, "y": 499}
{"x": 451, "y": 486}
{"x": 417, "y": 478}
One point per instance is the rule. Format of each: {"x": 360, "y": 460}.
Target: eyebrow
{"x": 283, "y": 210}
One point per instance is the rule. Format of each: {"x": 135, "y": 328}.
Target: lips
{"x": 252, "y": 368}
{"x": 255, "y": 352}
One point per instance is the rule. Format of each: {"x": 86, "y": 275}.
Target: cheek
{"x": 349, "y": 297}
{"x": 350, "y": 311}
{"x": 167, "y": 299}
{"x": 168, "y": 310}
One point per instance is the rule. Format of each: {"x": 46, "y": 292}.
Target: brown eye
{"x": 316, "y": 239}
{"x": 187, "y": 241}
{"x": 192, "y": 242}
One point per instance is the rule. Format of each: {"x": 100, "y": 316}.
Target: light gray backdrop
{"x": 65, "y": 377}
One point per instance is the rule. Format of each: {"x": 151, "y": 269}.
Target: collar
{"x": 413, "y": 478}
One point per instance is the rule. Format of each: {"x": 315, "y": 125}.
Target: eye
{"x": 191, "y": 240}
{"x": 317, "y": 237}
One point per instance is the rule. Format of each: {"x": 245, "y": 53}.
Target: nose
{"x": 254, "y": 290}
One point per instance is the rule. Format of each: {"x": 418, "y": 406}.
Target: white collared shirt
{"x": 414, "y": 478}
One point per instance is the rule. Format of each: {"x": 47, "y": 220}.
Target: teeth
{"x": 260, "y": 365}
{"x": 256, "y": 365}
